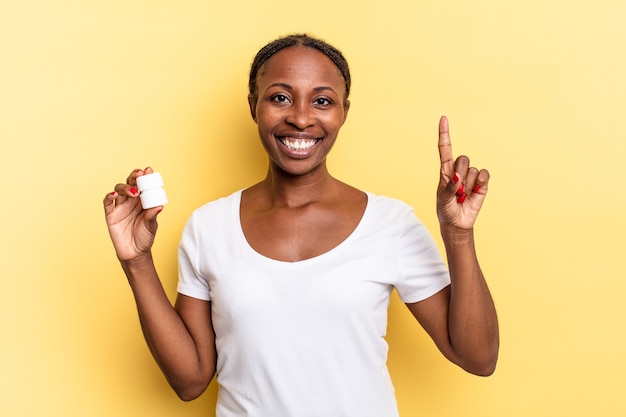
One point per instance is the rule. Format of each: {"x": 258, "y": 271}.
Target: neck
{"x": 287, "y": 190}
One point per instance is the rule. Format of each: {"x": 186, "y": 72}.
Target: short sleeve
{"x": 190, "y": 280}
{"x": 423, "y": 272}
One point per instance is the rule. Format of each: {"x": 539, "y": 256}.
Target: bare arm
{"x": 181, "y": 339}
{"x": 462, "y": 318}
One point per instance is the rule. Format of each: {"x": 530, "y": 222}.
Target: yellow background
{"x": 534, "y": 91}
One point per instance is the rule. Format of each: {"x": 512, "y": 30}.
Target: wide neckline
{"x": 314, "y": 259}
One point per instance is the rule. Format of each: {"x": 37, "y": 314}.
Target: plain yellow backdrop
{"x": 534, "y": 91}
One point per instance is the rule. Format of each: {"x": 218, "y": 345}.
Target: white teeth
{"x": 299, "y": 144}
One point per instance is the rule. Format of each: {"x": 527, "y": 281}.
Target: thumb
{"x": 150, "y": 218}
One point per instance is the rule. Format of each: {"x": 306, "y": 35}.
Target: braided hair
{"x": 302, "y": 39}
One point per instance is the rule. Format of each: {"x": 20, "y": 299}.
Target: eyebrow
{"x": 289, "y": 87}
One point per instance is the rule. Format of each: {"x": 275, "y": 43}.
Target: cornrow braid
{"x": 303, "y": 39}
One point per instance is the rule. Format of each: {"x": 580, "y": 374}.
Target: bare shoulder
{"x": 350, "y": 194}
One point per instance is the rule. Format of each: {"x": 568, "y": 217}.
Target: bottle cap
{"x": 148, "y": 181}
{"x": 151, "y": 188}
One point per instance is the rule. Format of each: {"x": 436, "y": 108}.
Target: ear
{"x": 252, "y": 104}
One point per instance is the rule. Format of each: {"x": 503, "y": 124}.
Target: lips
{"x": 298, "y": 144}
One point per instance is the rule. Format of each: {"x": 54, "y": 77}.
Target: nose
{"x": 300, "y": 115}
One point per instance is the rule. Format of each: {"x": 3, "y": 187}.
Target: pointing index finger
{"x": 445, "y": 149}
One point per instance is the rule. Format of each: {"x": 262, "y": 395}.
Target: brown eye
{"x": 323, "y": 102}
{"x": 281, "y": 98}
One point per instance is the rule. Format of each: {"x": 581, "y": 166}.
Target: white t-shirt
{"x": 306, "y": 338}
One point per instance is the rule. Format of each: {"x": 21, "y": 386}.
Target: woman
{"x": 284, "y": 286}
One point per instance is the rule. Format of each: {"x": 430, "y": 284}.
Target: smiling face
{"x": 299, "y": 108}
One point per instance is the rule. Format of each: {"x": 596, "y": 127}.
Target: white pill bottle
{"x": 151, "y": 190}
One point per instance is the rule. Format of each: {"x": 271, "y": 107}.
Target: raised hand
{"x": 462, "y": 189}
{"x": 132, "y": 228}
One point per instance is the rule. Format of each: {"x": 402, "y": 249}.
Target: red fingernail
{"x": 137, "y": 170}
{"x": 455, "y": 179}
{"x": 112, "y": 192}
{"x": 476, "y": 188}
{"x": 461, "y": 190}
{"x": 461, "y": 198}
{"x": 133, "y": 190}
